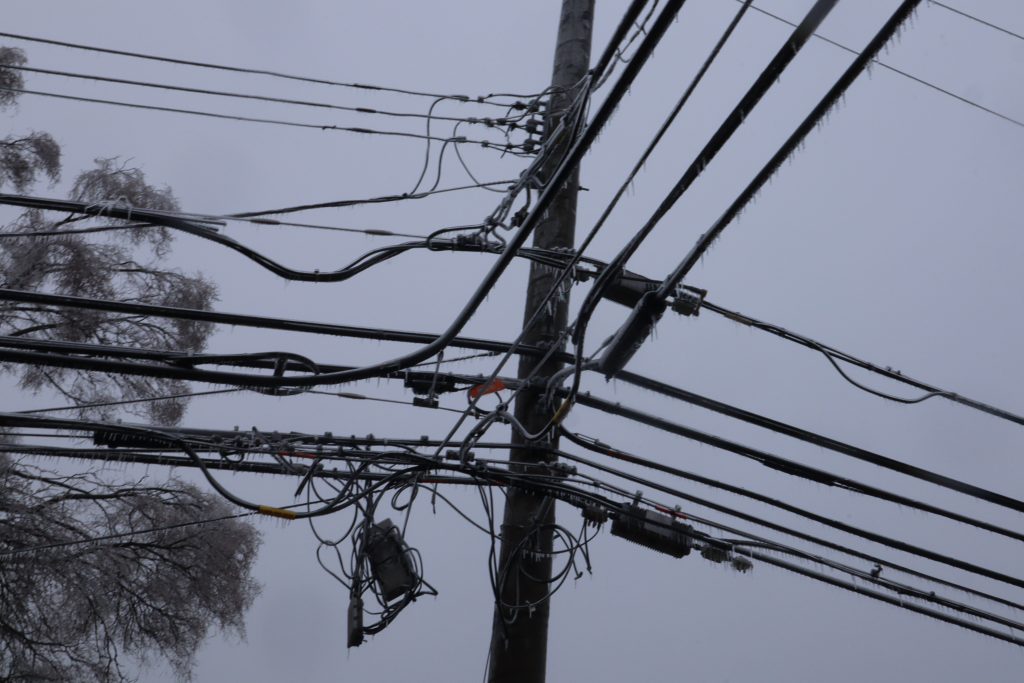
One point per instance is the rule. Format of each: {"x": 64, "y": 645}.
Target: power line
{"x": 629, "y": 339}
{"x": 648, "y": 311}
{"x": 762, "y": 522}
{"x": 895, "y": 601}
{"x": 182, "y": 435}
{"x": 384, "y": 199}
{"x": 98, "y": 540}
{"x": 833, "y": 355}
{"x": 884, "y": 35}
{"x": 252, "y": 119}
{"x": 489, "y": 346}
{"x": 903, "y": 73}
{"x": 489, "y": 122}
{"x": 131, "y": 401}
{"x": 792, "y": 468}
{"x": 834, "y": 445}
{"x": 756, "y": 541}
{"x": 767, "y": 459}
{"x": 484, "y": 99}
{"x": 976, "y": 19}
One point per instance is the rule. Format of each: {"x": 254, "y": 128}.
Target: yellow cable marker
{"x": 276, "y": 512}
{"x": 562, "y": 411}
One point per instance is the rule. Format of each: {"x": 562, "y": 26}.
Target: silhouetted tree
{"x": 93, "y": 573}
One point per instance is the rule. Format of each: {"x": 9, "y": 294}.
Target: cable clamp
{"x": 688, "y": 300}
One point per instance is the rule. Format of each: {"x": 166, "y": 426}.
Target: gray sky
{"x": 894, "y": 234}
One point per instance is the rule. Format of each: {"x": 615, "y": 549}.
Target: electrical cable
{"x": 360, "y": 264}
{"x": 604, "y": 449}
{"x": 772, "y": 461}
{"x": 97, "y": 540}
{"x": 773, "y": 546}
{"x": 498, "y": 347}
{"x": 384, "y": 199}
{"x": 131, "y": 401}
{"x": 833, "y": 355}
{"x": 753, "y": 95}
{"x": 976, "y": 19}
{"x": 483, "y": 99}
{"x": 487, "y": 144}
{"x": 588, "y": 305}
{"x": 487, "y": 121}
{"x": 834, "y": 445}
{"x": 791, "y": 467}
{"x": 903, "y": 73}
{"x": 896, "y": 601}
{"x": 551, "y": 189}
{"x": 812, "y": 120}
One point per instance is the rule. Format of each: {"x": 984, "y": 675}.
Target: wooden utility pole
{"x": 519, "y": 645}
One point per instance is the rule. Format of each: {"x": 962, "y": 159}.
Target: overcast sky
{"x": 895, "y": 234}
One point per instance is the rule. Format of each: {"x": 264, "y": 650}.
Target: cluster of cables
{"x": 364, "y": 476}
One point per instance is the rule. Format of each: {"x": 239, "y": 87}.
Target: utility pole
{"x": 519, "y": 649}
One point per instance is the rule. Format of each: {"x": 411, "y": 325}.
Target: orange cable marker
{"x": 488, "y": 388}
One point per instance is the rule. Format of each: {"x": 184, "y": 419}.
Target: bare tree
{"x": 92, "y": 573}
{"x": 41, "y": 253}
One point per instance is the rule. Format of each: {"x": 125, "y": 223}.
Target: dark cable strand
{"x": 247, "y": 70}
{"x": 905, "y": 74}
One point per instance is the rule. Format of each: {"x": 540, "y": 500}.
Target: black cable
{"x": 385, "y": 199}
{"x": 360, "y": 264}
{"x": 812, "y": 120}
{"x": 497, "y": 347}
{"x": 553, "y": 187}
{"x": 629, "y": 18}
{"x": 905, "y": 74}
{"x": 370, "y": 232}
{"x": 769, "y": 460}
{"x": 976, "y": 19}
{"x": 567, "y": 495}
{"x": 591, "y": 301}
{"x": 494, "y": 347}
{"x": 765, "y": 80}
{"x": 604, "y": 449}
{"x": 882, "y": 597}
{"x": 148, "y": 399}
{"x": 821, "y": 441}
{"x": 791, "y": 467}
{"x": 262, "y": 72}
{"x": 833, "y": 354}
{"x": 489, "y": 122}
{"x": 256, "y": 119}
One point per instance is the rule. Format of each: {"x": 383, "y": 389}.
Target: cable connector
{"x": 688, "y": 300}
{"x": 594, "y": 515}
{"x": 425, "y": 401}
{"x": 561, "y": 469}
{"x": 421, "y": 383}
{"x": 390, "y": 562}
{"x": 631, "y": 336}
{"x": 355, "y": 621}
{"x": 452, "y": 454}
{"x": 653, "y": 530}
